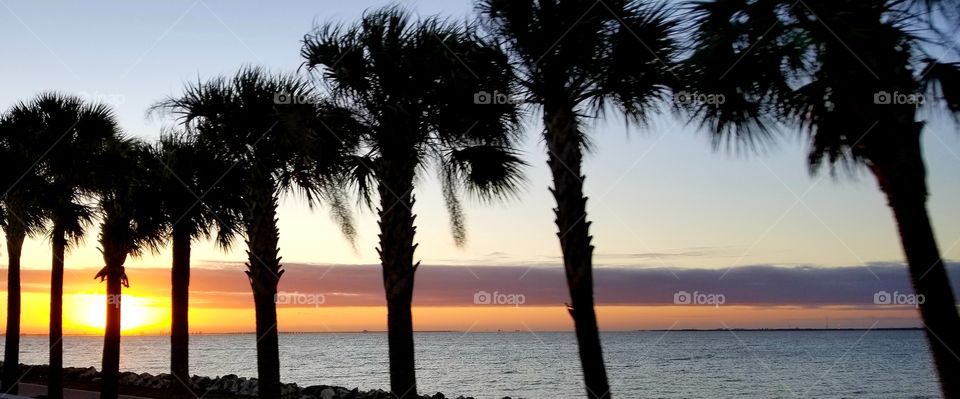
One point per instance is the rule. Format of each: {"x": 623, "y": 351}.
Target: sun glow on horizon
{"x": 88, "y": 311}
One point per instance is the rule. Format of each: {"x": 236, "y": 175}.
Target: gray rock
{"x": 289, "y": 391}
{"x": 161, "y": 381}
{"x": 248, "y": 388}
{"x": 128, "y": 378}
{"x": 88, "y": 374}
{"x": 200, "y": 383}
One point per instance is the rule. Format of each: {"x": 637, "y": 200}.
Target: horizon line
{"x": 773, "y": 329}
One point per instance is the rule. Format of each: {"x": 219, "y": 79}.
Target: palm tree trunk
{"x": 180, "y": 304}
{"x": 396, "y": 255}
{"x": 55, "y": 378}
{"x": 264, "y": 273}
{"x": 268, "y": 344}
{"x": 902, "y": 178}
{"x": 11, "y": 351}
{"x": 111, "y": 338}
{"x": 565, "y": 156}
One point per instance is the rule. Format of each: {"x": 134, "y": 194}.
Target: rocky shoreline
{"x": 226, "y": 386}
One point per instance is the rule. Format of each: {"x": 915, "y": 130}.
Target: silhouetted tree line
{"x": 396, "y": 95}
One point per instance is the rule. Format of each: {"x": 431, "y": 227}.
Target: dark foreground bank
{"x": 228, "y": 386}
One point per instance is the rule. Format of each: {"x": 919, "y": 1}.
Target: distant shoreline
{"x": 513, "y": 331}
{"x": 785, "y": 329}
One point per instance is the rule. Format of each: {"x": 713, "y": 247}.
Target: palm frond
{"x": 130, "y": 206}
{"x": 54, "y": 140}
{"x": 340, "y": 211}
{"x": 414, "y": 84}
{"x": 641, "y": 61}
{"x": 274, "y": 126}
{"x": 360, "y": 173}
{"x": 451, "y": 199}
{"x": 741, "y": 65}
{"x": 485, "y": 171}
{"x": 942, "y": 80}
{"x": 337, "y": 50}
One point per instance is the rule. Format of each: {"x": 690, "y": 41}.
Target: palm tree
{"x": 132, "y": 222}
{"x": 851, "y": 74}
{"x": 21, "y": 215}
{"x": 412, "y": 85}
{"x": 576, "y": 59}
{"x": 74, "y": 133}
{"x": 195, "y": 191}
{"x": 278, "y": 138}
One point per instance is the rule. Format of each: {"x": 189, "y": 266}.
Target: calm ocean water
{"x": 678, "y": 364}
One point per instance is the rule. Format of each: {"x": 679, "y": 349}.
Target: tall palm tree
{"x": 413, "y": 83}
{"x": 195, "y": 189}
{"x": 73, "y": 133}
{"x": 576, "y": 59}
{"x": 279, "y": 137}
{"x": 132, "y": 222}
{"x": 849, "y": 73}
{"x": 21, "y": 215}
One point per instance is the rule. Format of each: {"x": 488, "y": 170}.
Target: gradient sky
{"x": 660, "y": 197}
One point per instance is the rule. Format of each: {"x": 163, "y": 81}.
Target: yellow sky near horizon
{"x": 352, "y": 300}
{"x": 83, "y": 315}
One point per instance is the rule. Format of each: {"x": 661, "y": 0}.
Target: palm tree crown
{"x": 130, "y": 207}
{"x": 589, "y": 55}
{"x": 195, "y": 188}
{"x": 814, "y": 66}
{"x": 415, "y": 86}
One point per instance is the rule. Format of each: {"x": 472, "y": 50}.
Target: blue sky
{"x": 660, "y": 196}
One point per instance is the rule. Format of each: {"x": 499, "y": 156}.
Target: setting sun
{"x": 89, "y": 312}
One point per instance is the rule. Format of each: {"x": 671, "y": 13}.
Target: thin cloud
{"x": 224, "y": 285}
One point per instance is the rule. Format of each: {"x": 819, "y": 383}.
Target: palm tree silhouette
{"x": 74, "y": 133}
{"x": 576, "y": 59}
{"x": 413, "y": 85}
{"x": 279, "y": 138}
{"x": 23, "y": 211}
{"x": 195, "y": 191}
{"x": 851, "y": 75}
{"x": 132, "y": 222}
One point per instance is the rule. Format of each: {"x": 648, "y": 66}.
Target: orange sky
{"x": 155, "y": 318}
{"x": 221, "y": 302}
